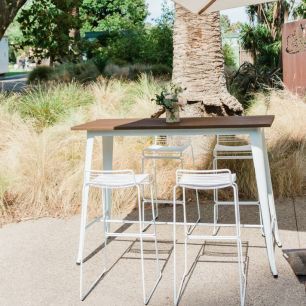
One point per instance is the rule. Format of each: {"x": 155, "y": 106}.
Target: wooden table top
{"x": 185, "y": 123}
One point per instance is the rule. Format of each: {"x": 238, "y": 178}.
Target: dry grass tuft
{"x": 41, "y": 172}
{"x": 286, "y": 142}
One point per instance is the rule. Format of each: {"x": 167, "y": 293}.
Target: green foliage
{"x": 40, "y": 74}
{"x": 263, "y": 39}
{"x": 46, "y": 105}
{"x": 46, "y": 26}
{"x": 159, "y": 40}
{"x": 112, "y": 15}
{"x": 152, "y": 45}
{"x": 81, "y": 72}
{"x": 229, "y": 56}
{"x": 250, "y": 79}
{"x": 258, "y": 40}
{"x": 301, "y": 9}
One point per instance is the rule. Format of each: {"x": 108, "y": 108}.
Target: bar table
{"x": 253, "y": 126}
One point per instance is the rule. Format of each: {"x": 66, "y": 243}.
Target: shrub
{"x": 81, "y": 72}
{"x": 41, "y": 74}
{"x": 229, "y": 55}
{"x": 160, "y": 70}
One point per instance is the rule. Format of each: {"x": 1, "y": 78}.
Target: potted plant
{"x": 171, "y": 101}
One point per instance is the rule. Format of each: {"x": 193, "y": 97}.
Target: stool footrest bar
{"x": 203, "y": 237}
{"x": 136, "y": 235}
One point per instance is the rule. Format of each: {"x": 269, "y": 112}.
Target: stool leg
{"x": 215, "y": 167}
{"x": 177, "y": 295}
{"x": 186, "y": 231}
{"x": 192, "y": 154}
{"x": 216, "y": 206}
{"x": 216, "y": 214}
{"x": 145, "y": 298}
{"x": 174, "y": 246}
{"x": 141, "y": 245}
{"x": 242, "y": 276}
{"x": 142, "y": 189}
{"x": 158, "y": 270}
{"x": 191, "y": 227}
{"x": 198, "y": 206}
{"x": 105, "y": 228}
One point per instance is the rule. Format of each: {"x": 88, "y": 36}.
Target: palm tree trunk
{"x": 199, "y": 64}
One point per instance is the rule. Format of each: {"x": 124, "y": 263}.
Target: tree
{"x": 49, "y": 27}
{"x": 158, "y": 44}
{"x": 8, "y": 9}
{"x": 272, "y": 15}
{"x": 101, "y": 15}
{"x": 198, "y": 64}
{"x": 263, "y": 37}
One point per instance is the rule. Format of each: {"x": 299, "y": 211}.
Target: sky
{"x": 235, "y": 15}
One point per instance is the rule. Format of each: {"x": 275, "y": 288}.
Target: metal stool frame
{"x": 165, "y": 151}
{"x": 229, "y": 147}
{"x": 206, "y": 180}
{"x": 107, "y": 181}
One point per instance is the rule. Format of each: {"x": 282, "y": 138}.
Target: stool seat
{"x": 233, "y": 148}
{"x": 206, "y": 181}
{"x": 159, "y": 148}
{"x": 117, "y": 180}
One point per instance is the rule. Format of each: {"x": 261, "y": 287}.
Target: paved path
{"x": 37, "y": 264}
{"x": 15, "y": 83}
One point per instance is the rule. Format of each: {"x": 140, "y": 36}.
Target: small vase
{"x": 173, "y": 114}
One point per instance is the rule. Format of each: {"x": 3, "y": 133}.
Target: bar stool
{"x": 108, "y": 181}
{"x": 229, "y": 147}
{"x": 163, "y": 149}
{"x": 206, "y": 180}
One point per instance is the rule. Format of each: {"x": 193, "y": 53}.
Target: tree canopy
{"x": 46, "y": 26}
{"x": 8, "y": 9}
{"x": 99, "y": 15}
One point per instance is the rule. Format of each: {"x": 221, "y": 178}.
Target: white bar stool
{"x": 229, "y": 147}
{"x": 107, "y": 181}
{"x": 163, "y": 149}
{"x": 206, "y": 180}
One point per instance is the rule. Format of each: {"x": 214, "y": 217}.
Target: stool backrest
{"x": 230, "y": 140}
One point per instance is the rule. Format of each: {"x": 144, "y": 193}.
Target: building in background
{"x": 4, "y": 55}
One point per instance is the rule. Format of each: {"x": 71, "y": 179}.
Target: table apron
{"x": 175, "y": 132}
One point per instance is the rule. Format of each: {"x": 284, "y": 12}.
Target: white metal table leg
{"x": 270, "y": 193}
{"x": 87, "y": 168}
{"x": 261, "y": 179}
{"x": 107, "y": 149}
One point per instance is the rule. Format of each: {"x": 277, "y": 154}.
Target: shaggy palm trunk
{"x": 199, "y": 64}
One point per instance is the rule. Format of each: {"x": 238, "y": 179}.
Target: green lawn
{"x": 15, "y": 73}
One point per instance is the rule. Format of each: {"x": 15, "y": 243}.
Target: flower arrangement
{"x": 171, "y": 101}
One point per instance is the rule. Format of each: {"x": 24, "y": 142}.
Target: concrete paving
{"x": 37, "y": 263}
